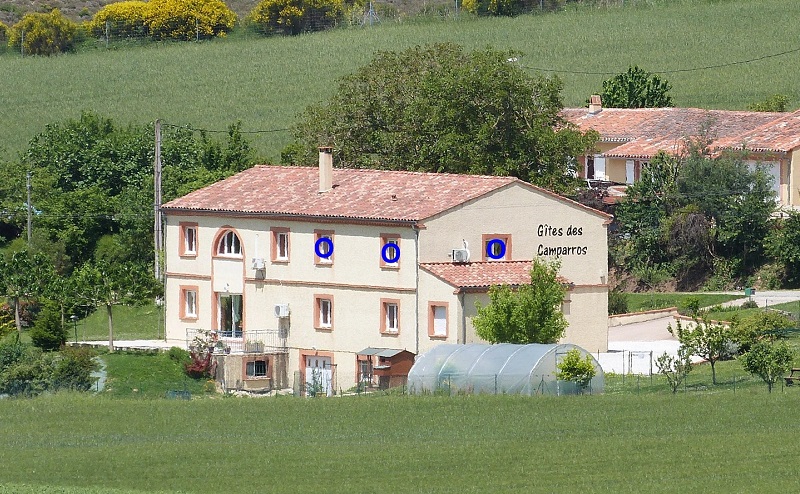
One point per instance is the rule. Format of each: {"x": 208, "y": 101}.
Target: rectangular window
{"x": 496, "y": 247}
{"x": 188, "y": 240}
{"x": 188, "y": 302}
{"x": 437, "y": 319}
{"x": 323, "y": 312}
{"x": 390, "y": 316}
{"x": 229, "y": 315}
{"x": 280, "y": 244}
{"x": 390, "y": 250}
{"x": 256, "y": 369}
{"x": 323, "y": 247}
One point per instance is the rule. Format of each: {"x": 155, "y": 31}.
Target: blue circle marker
{"x": 385, "y": 255}
{"x": 319, "y": 252}
{"x": 490, "y": 249}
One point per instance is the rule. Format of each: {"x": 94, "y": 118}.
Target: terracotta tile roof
{"x": 779, "y": 135}
{"x": 367, "y": 194}
{"x": 645, "y": 131}
{"x": 356, "y": 194}
{"x": 481, "y": 275}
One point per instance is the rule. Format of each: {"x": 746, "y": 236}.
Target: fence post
{"x": 197, "y": 28}
{"x": 22, "y": 42}
{"x": 107, "y": 34}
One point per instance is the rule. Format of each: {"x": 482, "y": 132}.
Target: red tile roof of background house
{"x": 645, "y": 131}
{"x": 356, "y": 193}
{"x": 481, "y": 275}
{"x": 779, "y": 135}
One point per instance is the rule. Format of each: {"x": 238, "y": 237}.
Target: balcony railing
{"x": 251, "y": 341}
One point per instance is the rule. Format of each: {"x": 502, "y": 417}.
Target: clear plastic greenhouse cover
{"x": 496, "y": 369}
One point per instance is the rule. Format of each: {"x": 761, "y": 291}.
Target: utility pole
{"x": 30, "y": 212}
{"x": 157, "y": 203}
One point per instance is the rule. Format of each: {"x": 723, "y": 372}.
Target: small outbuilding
{"x": 497, "y": 369}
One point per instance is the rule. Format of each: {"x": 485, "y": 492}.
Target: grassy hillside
{"x": 646, "y": 443}
{"x": 266, "y": 82}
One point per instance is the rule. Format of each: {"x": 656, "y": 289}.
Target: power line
{"x": 227, "y": 131}
{"x": 672, "y": 71}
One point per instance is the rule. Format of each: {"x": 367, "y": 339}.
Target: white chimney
{"x": 325, "y": 169}
{"x": 595, "y": 104}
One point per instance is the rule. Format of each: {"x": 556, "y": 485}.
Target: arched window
{"x": 229, "y": 244}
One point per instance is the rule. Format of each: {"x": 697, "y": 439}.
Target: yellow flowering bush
{"x": 296, "y": 16}
{"x": 43, "y": 34}
{"x": 3, "y": 33}
{"x": 187, "y": 19}
{"x": 125, "y": 19}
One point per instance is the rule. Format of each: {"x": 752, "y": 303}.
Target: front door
{"x": 319, "y": 375}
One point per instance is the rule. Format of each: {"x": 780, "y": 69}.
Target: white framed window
{"x": 229, "y": 315}
{"x": 323, "y": 316}
{"x": 390, "y": 316}
{"x": 190, "y": 240}
{"x": 188, "y": 302}
{"x": 191, "y": 303}
{"x": 229, "y": 244}
{"x": 437, "y": 322}
{"x": 280, "y": 244}
{"x": 390, "y": 250}
{"x": 323, "y": 247}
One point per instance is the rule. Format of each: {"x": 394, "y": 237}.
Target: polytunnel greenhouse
{"x": 497, "y": 369}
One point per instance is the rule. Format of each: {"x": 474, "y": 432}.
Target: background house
{"x": 630, "y": 138}
{"x": 304, "y": 268}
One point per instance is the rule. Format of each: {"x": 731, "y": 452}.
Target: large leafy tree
{"x": 23, "y": 276}
{"x": 104, "y": 284}
{"x": 636, "y": 88}
{"x": 440, "y": 109}
{"x": 530, "y": 313}
{"x": 92, "y": 178}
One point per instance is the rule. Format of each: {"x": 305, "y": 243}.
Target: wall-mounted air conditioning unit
{"x": 281, "y": 310}
{"x": 258, "y": 263}
{"x": 460, "y": 255}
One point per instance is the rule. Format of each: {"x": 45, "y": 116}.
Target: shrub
{"x": 509, "y": 7}
{"x": 127, "y": 19}
{"x": 44, "y": 34}
{"x": 179, "y": 355}
{"x": 73, "y": 370}
{"x": 3, "y": 33}
{"x": 617, "y": 302}
{"x": 296, "y": 16}
{"x": 29, "y": 375}
{"x": 765, "y": 325}
{"x": 749, "y": 304}
{"x": 690, "y": 306}
{"x": 768, "y": 361}
{"x": 28, "y": 310}
{"x": 189, "y": 19}
{"x": 48, "y": 333}
{"x": 573, "y": 368}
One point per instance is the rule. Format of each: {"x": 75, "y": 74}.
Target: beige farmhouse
{"x": 630, "y": 138}
{"x": 330, "y": 277}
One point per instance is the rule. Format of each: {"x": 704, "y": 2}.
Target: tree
{"x": 636, "y": 88}
{"x": 783, "y": 245}
{"x": 528, "y": 314}
{"x": 22, "y": 276}
{"x": 105, "y": 284}
{"x": 49, "y": 332}
{"x": 439, "y": 109}
{"x": 573, "y": 368}
{"x": 768, "y": 361}
{"x": 706, "y": 339}
{"x": 775, "y": 103}
{"x": 675, "y": 369}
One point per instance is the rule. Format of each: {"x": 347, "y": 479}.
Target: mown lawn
{"x": 266, "y": 82}
{"x": 651, "y": 300}
{"x": 140, "y": 323}
{"x": 646, "y": 443}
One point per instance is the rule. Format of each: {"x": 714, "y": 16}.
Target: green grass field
{"x": 651, "y": 300}
{"x": 266, "y": 82}
{"x": 647, "y": 443}
{"x": 130, "y": 323}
